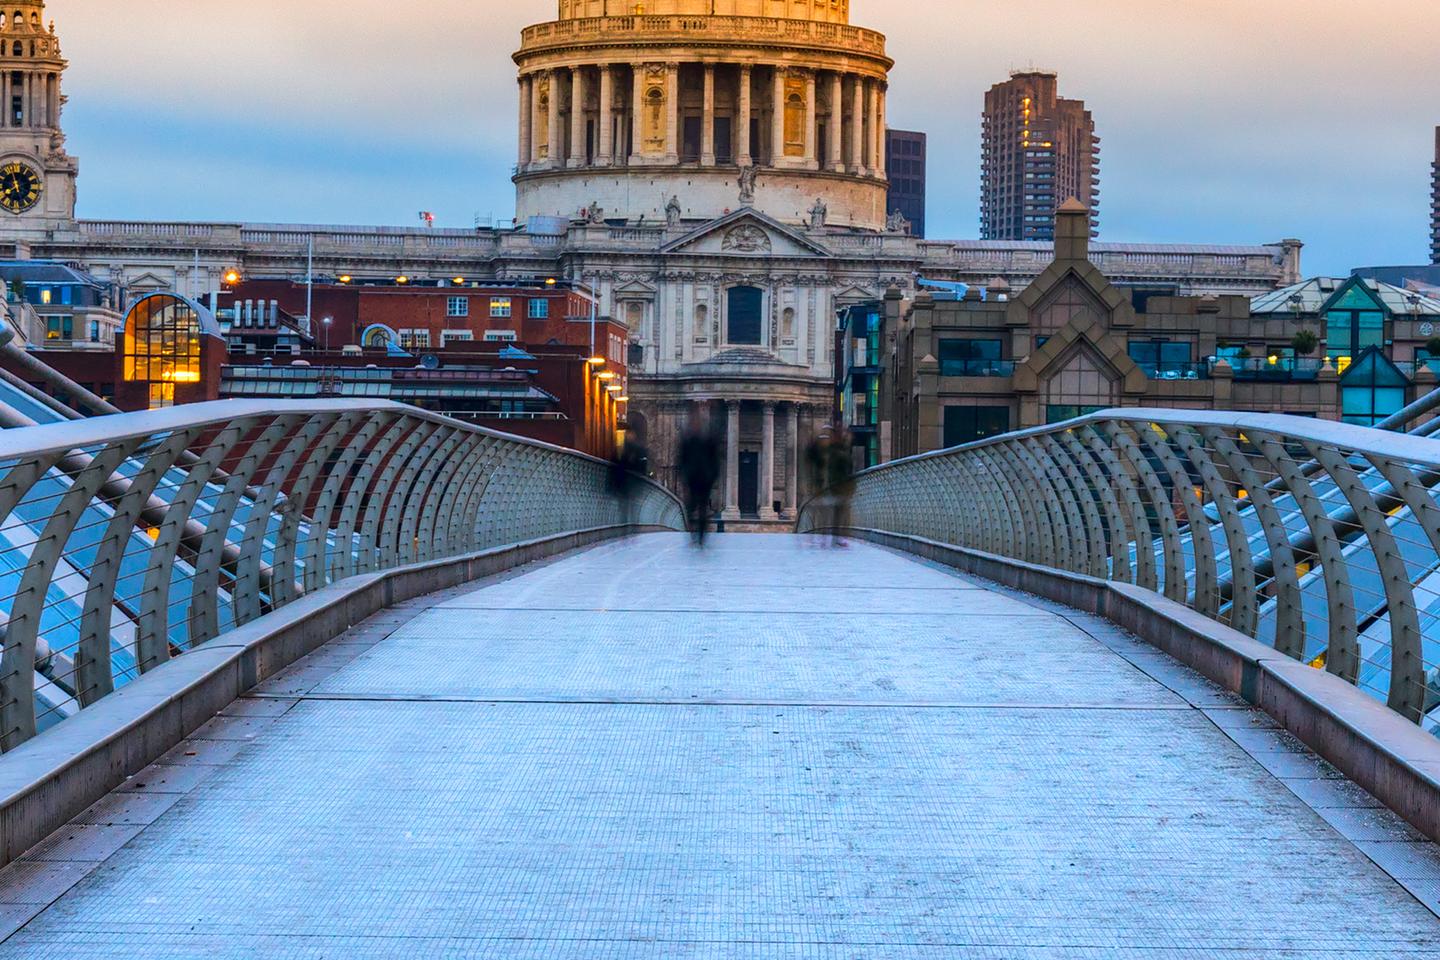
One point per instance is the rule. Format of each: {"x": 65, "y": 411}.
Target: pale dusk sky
{"x": 1227, "y": 121}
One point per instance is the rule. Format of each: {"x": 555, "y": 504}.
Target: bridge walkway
{"x": 766, "y": 749}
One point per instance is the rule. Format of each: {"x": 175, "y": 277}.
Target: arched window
{"x": 745, "y": 316}
{"x": 379, "y": 335}
{"x": 162, "y": 344}
{"x": 19, "y": 49}
{"x": 787, "y": 324}
{"x": 702, "y": 321}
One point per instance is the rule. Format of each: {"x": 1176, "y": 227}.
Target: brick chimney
{"x": 1072, "y": 231}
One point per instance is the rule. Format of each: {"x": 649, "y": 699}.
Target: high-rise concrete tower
{"x": 1435, "y": 202}
{"x": 37, "y": 176}
{"x": 1038, "y": 151}
{"x": 701, "y": 107}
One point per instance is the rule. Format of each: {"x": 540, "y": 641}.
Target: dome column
{"x": 743, "y": 148}
{"x": 672, "y": 113}
{"x": 707, "y": 128}
{"x": 577, "y": 117}
{"x": 837, "y": 123}
{"x": 557, "y": 135}
{"x": 878, "y": 167}
{"x": 872, "y": 117}
{"x": 777, "y": 119}
{"x": 527, "y": 109}
{"x": 605, "y": 135}
{"x": 637, "y": 101}
{"x": 812, "y": 123}
{"x": 857, "y": 126}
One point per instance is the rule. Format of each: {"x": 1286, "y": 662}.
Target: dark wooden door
{"x": 750, "y": 484}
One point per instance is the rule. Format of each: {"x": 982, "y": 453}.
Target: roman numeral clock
{"x": 20, "y": 187}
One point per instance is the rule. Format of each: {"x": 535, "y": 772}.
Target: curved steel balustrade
{"x": 1320, "y": 539}
{"x": 129, "y": 539}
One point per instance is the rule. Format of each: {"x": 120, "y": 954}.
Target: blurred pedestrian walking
{"x": 699, "y": 461}
{"x": 627, "y": 468}
{"x": 830, "y": 460}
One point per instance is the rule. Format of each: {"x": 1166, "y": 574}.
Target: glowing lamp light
{"x": 232, "y": 276}
{"x": 402, "y": 280}
{"x": 607, "y": 375}
{"x": 458, "y": 281}
{"x": 622, "y": 399}
{"x": 345, "y": 278}
{"x": 550, "y": 282}
{"x": 596, "y": 361}
{"x": 614, "y": 388}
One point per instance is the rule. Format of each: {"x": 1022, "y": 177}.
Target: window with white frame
{"x": 539, "y": 309}
{"x": 457, "y": 307}
{"x": 500, "y": 336}
{"x": 499, "y": 306}
{"x": 448, "y": 337}
{"x": 414, "y": 339}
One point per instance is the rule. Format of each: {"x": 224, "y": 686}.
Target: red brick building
{"x": 177, "y": 351}
{"x": 429, "y": 318}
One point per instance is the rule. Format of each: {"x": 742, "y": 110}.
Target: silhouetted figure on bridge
{"x": 832, "y": 470}
{"x": 699, "y": 471}
{"x": 627, "y": 468}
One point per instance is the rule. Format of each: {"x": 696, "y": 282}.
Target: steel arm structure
{"x": 1113, "y": 496}
{"x": 126, "y": 540}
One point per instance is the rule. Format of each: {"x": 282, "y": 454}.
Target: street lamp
{"x": 326, "y": 324}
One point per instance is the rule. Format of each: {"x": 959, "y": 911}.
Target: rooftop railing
{"x": 625, "y": 29}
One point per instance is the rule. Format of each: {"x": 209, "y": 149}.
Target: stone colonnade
{"x": 38, "y": 96}
{"x": 778, "y": 439}
{"x": 704, "y": 113}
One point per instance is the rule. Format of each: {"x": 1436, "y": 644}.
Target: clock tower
{"x": 37, "y": 176}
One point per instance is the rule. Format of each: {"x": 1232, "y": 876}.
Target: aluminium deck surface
{"x": 766, "y": 749}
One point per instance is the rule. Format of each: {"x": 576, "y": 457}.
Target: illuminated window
{"x": 162, "y": 345}
{"x": 499, "y": 306}
{"x": 415, "y": 339}
{"x": 457, "y": 307}
{"x": 539, "y": 309}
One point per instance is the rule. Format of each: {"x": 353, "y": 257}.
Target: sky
{"x": 1224, "y": 121}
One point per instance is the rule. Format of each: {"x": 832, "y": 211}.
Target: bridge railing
{"x": 127, "y": 540}
{"x": 1319, "y": 539}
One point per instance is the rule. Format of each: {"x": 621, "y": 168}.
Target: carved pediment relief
{"x": 746, "y": 233}
{"x": 746, "y": 238}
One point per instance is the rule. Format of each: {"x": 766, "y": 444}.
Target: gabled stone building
{"x": 942, "y": 370}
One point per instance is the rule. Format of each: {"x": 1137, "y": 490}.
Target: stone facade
{"x": 952, "y": 370}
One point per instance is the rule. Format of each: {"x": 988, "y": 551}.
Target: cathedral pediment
{"x": 745, "y": 233}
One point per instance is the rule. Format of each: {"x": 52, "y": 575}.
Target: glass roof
{"x": 1315, "y": 295}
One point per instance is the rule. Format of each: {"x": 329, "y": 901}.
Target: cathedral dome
{"x": 684, "y": 110}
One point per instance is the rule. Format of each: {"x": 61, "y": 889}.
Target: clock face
{"x": 19, "y": 187}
